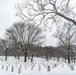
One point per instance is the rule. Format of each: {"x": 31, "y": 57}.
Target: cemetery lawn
{"x": 39, "y": 66}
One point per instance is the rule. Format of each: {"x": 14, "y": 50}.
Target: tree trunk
{"x": 25, "y": 56}
{"x": 57, "y": 58}
{"x": 6, "y": 58}
{"x": 65, "y": 59}
{"x": 69, "y": 55}
{"x": 15, "y": 56}
{"x": 18, "y": 56}
{"x": 6, "y": 54}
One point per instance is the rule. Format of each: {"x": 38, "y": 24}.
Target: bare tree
{"x": 67, "y": 37}
{"x": 4, "y": 46}
{"x": 24, "y": 35}
{"x": 42, "y": 11}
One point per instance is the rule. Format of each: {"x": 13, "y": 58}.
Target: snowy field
{"x": 39, "y": 66}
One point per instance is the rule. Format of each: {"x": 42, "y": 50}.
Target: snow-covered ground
{"x": 39, "y": 66}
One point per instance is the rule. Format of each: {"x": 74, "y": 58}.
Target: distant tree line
{"x": 46, "y": 52}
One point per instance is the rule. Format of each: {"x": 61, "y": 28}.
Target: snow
{"x": 39, "y": 66}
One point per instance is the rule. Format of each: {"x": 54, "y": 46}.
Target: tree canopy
{"x": 42, "y": 11}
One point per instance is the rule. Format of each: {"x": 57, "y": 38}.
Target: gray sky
{"x": 7, "y": 18}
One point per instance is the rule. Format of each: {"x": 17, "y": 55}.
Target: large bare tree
{"x": 24, "y": 35}
{"x": 42, "y": 11}
{"x": 67, "y": 37}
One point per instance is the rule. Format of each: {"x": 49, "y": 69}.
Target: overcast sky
{"x": 7, "y": 18}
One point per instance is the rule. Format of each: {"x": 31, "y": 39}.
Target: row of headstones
{"x": 63, "y": 59}
{"x": 48, "y": 66}
{"x": 17, "y": 64}
{"x": 12, "y": 68}
{"x": 53, "y": 65}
